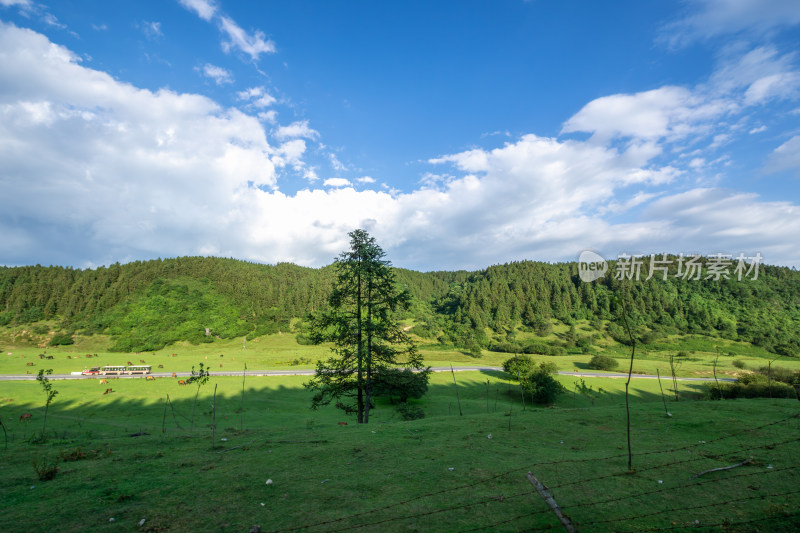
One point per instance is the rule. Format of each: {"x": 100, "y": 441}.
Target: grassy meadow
{"x": 131, "y": 456}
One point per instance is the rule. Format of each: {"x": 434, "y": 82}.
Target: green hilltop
{"x": 146, "y": 305}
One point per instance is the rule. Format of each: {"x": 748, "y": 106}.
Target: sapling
{"x": 201, "y": 378}
{"x": 50, "y": 393}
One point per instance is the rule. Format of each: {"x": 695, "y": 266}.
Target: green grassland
{"x": 129, "y": 455}
{"x": 281, "y": 350}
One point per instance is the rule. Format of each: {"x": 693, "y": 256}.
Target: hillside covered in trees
{"x": 147, "y": 305}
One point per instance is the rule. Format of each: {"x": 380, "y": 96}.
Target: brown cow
{"x": 342, "y": 423}
{"x": 103, "y": 381}
{"x": 181, "y": 382}
{"x": 141, "y": 361}
{"x": 108, "y": 390}
{"x": 160, "y": 366}
{"x": 25, "y": 416}
{"x": 150, "y": 378}
{"x": 29, "y": 364}
{"x": 130, "y": 364}
{"x": 174, "y": 375}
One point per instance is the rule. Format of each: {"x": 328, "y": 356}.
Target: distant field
{"x": 447, "y": 472}
{"x": 282, "y": 351}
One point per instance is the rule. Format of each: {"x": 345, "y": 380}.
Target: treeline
{"x": 145, "y": 305}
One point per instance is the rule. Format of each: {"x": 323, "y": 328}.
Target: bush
{"x": 400, "y": 383}
{"x": 544, "y": 349}
{"x": 45, "y": 469}
{"x": 410, "y": 412}
{"x": 61, "y": 339}
{"x": 520, "y": 366}
{"x": 739, "y": 363}
{"x": 541, "y": 384}
{"x": 757, "y": 389}
{"x": 504, "y": 347}
{"x": 603, "y": 362}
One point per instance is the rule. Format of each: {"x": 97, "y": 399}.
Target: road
{"x": 261, "y": 373}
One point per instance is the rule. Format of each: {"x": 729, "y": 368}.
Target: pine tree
{"x": 360, "y": 322}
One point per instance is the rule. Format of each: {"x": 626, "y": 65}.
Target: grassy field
{"x": 282, "y": 351}
{"x": 129, "y": 455}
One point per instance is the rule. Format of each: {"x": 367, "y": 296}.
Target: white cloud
{"x": 712, "y": 18}
{"x": 149, "y": 174}
{"x": 335, "y": 163}
{"x": 337, "y": 182}
{"x": 366, "y": 179}
{"x": 220, "y": 75}
{"x": 205, "y": 9}
{"x": 270, "y": 117}
{"x": 253, "y": 45}
{"x": 758, "y": 129}
{"x": 296, "y": 129}
{"x": 20, "y": 3}
{"x": 667, "y": 112}
{"x": 152, "y": 29}
{"x": 786, "y": 157}
{"x": 257, "y": 97}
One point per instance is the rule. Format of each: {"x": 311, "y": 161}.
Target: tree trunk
{"x": 368, "y": 384}
{"x": 359, "y": 354}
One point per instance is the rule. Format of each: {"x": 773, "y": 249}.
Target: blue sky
{"x": 460, "y": 134}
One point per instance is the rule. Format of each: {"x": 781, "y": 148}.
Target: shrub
{"x": 61, "y": 339}
{"x": 504, "y": 347}
{"x": 520, "y": 366}
{"x": 542, "y": 386}
{"x": 45, "y": 469}
{"x": 603, "y": 362}
{"x": 739, "y": 363}
{"x": 410, "y": 412}
{"x": 758, "y": 389}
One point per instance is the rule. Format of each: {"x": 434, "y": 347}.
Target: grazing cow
{"x": 220, "y": 365}
{"x": 160, "y": 366}
{"x": 89, "y": 355}
{"x": 150, "y": 378}
{"x": 103, "y": 382}
{"x": 49, "y": 356}
{"x": 69, "y": 357}
{"x": 342, "y": 423}
{"x": 108, "y": 390}
{"x": 130, "y": 364}
{"x": 29, "y": 364}
{"x": 41, "y": 356}
{"x": 141, "y": 361}
{"x": 181, "y": 382}
{"x": 25, "y": 416}
{"x": 174, "y": 375}
{"x": 222, "y": 355}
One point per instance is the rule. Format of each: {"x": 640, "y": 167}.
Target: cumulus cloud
{"x": 337, "y": 182}
{"x": 132, "y": 164}
{"x": 147, "y": 174}
{"x": 220, "y": 75}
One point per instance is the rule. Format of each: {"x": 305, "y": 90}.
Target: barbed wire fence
{"x": 666, "y": 505}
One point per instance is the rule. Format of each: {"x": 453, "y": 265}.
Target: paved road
{"x": 24, "y": 377}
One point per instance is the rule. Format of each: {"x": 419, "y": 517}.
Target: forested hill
{"x": 145, "y": 305}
